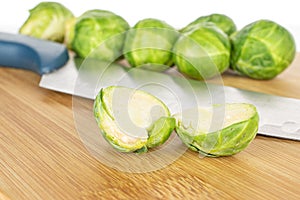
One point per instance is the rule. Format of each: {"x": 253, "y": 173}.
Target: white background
{"x": 177, "y": 13}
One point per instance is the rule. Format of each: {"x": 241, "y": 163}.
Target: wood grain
{"x": 42, "y": 156}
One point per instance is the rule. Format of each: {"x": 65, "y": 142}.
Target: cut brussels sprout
{"x": 262, "y": 50}
{"x": 202, "y": 52}
{"x": 222, "y": 21}
{"x": 47, "y": 21}
{"x": 91, "y": 31}
{"x": 149, "y": 44}
{"x": 132, "y": 120}
{"x": 200, "y": 129}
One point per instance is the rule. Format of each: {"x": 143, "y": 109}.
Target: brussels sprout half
{"x": 202, "y": 52}
{"x": 198, "y": 130}
{"x": 99, "y": 34}
{"x": 149, "y": 45}
{"x": 262, "y": 50}
{"x": 222, "y": 21}
{"x": 47, "y": 21}
{"x": 132, "y": 120}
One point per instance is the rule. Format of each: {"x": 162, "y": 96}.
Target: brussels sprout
{"x": 91, "y": 31}
{"x": 262, "y": 50}
{"x": 69, "y": 32}
{"x": 222, "y": 21}
{"x": 149, "y": 44}
{"x": 202, "y": 52}
{"x": 47, "y": 21}
{"x": 132, "y": 120}
{"x": 200, "y": 133}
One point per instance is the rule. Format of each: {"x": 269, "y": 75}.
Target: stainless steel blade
{"x": 63, "y": 79}
{"x": 279, "y": 116}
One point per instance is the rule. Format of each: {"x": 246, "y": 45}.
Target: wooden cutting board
{"x": 42, "y": 156}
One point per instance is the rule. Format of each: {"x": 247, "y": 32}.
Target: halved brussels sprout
{"x": 149, "y": 45}
{"x": 200, "y": 129}
{"x": 94, "y": 27}
{"x": 262, "y": 50}
{"x": 132, "y": 120}
{"x": 222, "y": 21}
{"x": 202, "y": 52}
{"x": 47, "y": 21}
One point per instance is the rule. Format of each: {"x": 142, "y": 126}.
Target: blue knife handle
{"x": 25, "y": 52}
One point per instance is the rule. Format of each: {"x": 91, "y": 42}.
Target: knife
{"x": 279, "y": 116}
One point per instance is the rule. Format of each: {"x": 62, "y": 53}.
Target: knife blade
{"x": 279, "y": 116}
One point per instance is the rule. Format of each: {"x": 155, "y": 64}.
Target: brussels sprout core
{"x": 219, "y": 130}
{"x": 132, "y": 120}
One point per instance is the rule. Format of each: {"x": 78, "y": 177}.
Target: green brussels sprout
{"x": 262, "y": 50}
{"x": 69, "y": 32}
{"x": 47, "y": 21}
{"x": 202, "y": 52}
{"x": 222, "y": 21}
{"x": 200, "y": 133}
{"x": 149, "y": 45}
{"x": 93, "y": 28}
{"x": 132, "y": 120}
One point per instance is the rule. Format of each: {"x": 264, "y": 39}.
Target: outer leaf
{"x": 160, "y": 131}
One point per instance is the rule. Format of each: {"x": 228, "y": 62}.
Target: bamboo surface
{"x": 43, "y": 157}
